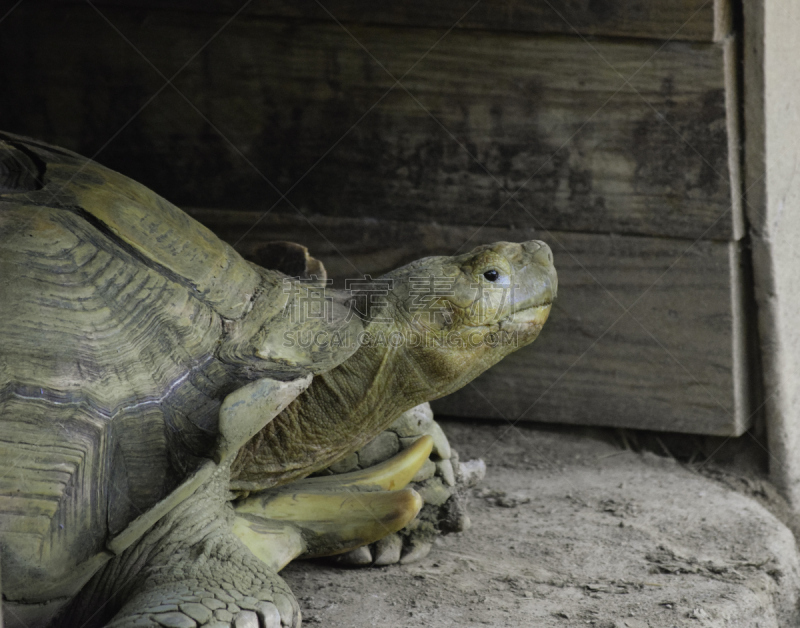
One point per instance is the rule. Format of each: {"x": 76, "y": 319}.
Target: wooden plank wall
{"x": 621, "y": 150}
{"x": 681, "y": 20}
{"x": 629, "y": 138}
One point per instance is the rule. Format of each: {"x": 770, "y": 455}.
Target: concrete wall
{"x": 772, "y": 196}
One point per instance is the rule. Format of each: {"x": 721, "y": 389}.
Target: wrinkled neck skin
{"x": 341, "y": 411}
{"x": 450, "y": 316}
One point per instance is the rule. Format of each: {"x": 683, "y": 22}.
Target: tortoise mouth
{"x": 523, "y": 319}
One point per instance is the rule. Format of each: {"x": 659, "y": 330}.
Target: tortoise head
{"x": 429, "y": 328}
{"x": 460, "y": 315}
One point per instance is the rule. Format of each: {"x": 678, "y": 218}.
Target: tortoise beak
{"x": 535, "y": 281}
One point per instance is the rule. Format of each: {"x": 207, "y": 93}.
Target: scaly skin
{"x": 189, "y": 567}
{"x": 193, "y": 568}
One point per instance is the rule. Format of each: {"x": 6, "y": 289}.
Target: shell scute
{"x": 125, "y": 325}
{"x": 112, "y": 311}
{"x": 165, "y": 235}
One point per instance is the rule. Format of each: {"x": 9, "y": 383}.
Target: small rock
{"x": 454, "y": 516}
{"x": 212, "y": 603}
{"x": 501, "y": 498}
{"x": 511, "y": 501}
{"x": 597, "y": 587}
{"x": 472, "y": 471}
{"x": 698, "y": 613}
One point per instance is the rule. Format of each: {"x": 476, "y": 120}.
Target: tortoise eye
{"x": 491, "y": 275}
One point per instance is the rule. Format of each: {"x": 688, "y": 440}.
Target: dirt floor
{"x": 569, "y": 529}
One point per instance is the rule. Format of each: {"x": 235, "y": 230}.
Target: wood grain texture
{"x": 697, "y": 20}
{"x": 301, "y": 107}
{"x": 675, "y": 362}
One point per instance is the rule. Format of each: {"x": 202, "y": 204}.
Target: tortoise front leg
{"x": 180, "y": 564}
{"x": 205, "y": 556}
{"x": 190, "y": 570}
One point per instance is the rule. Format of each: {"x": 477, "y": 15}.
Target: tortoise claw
{"x": 328, "y": 523}
{"x": 329, "y": 515}
{"x": 276, "y": 543}
{"x": 389, "y": 475}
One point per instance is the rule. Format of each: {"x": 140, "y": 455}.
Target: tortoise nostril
{"x": 540, "y": 252}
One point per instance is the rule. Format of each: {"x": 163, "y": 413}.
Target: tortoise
{"x": 160, "y": 409}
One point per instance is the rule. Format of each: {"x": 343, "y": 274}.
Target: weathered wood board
{"x": 677, "y": 361}
{"x": 622, "y": 136}
{"x": 697, "y": 20}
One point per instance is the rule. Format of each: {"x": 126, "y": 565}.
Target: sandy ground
{"x": 573, "y": 530}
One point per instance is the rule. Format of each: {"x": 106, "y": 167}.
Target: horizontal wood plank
{"x": 697, "y": 20}
{"x": 607, "y": 136}
{"x": 676, "y": 361}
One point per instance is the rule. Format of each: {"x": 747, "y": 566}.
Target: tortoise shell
{"x": 115, "y": 309}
